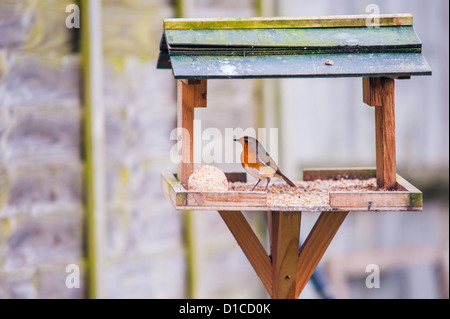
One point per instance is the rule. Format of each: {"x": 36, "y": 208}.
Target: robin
{"x": 258, "y": 163}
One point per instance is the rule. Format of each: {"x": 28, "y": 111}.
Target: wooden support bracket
{"x": 288, "y": 270}
{"x": 250, "y": 245}
{"x": 315, "y": 246}
{"x": 371, "y": 95}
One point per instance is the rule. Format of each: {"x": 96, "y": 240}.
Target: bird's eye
{"x": 246, "y": 141}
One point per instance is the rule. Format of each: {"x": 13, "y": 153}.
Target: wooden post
{"x": 315, "y": 246}
{"x": 191, "y": 94}
{"x": 385, "y": 135}
{"x": 285, "y": 237}
{"x": 380, "y": 92}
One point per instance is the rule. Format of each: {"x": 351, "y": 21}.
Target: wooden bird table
{"x": 195, "y": 50}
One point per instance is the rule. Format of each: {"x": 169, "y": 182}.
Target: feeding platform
{"x": 324, "y": 190}
{"x": 198, "y": 50}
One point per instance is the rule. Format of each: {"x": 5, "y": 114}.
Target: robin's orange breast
{"x": 249, "y": 158}
{"x": 252, "y": 165}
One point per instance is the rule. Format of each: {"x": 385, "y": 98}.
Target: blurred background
{"x": 145, "y": 248}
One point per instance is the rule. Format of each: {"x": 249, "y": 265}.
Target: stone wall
{"x": 41, "y": 215}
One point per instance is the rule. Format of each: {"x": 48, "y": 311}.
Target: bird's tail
{"x": 287, "y": 180}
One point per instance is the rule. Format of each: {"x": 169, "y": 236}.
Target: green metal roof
{"x": 291, "y": 47}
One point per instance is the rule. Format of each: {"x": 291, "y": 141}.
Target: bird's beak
{"x": 235, "y": 139}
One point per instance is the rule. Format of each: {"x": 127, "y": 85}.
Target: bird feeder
{"x": 198, "y": 50}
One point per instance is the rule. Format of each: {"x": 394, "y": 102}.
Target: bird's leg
{"x": 256, "y": 185}
{"x": 268, "y": 181}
